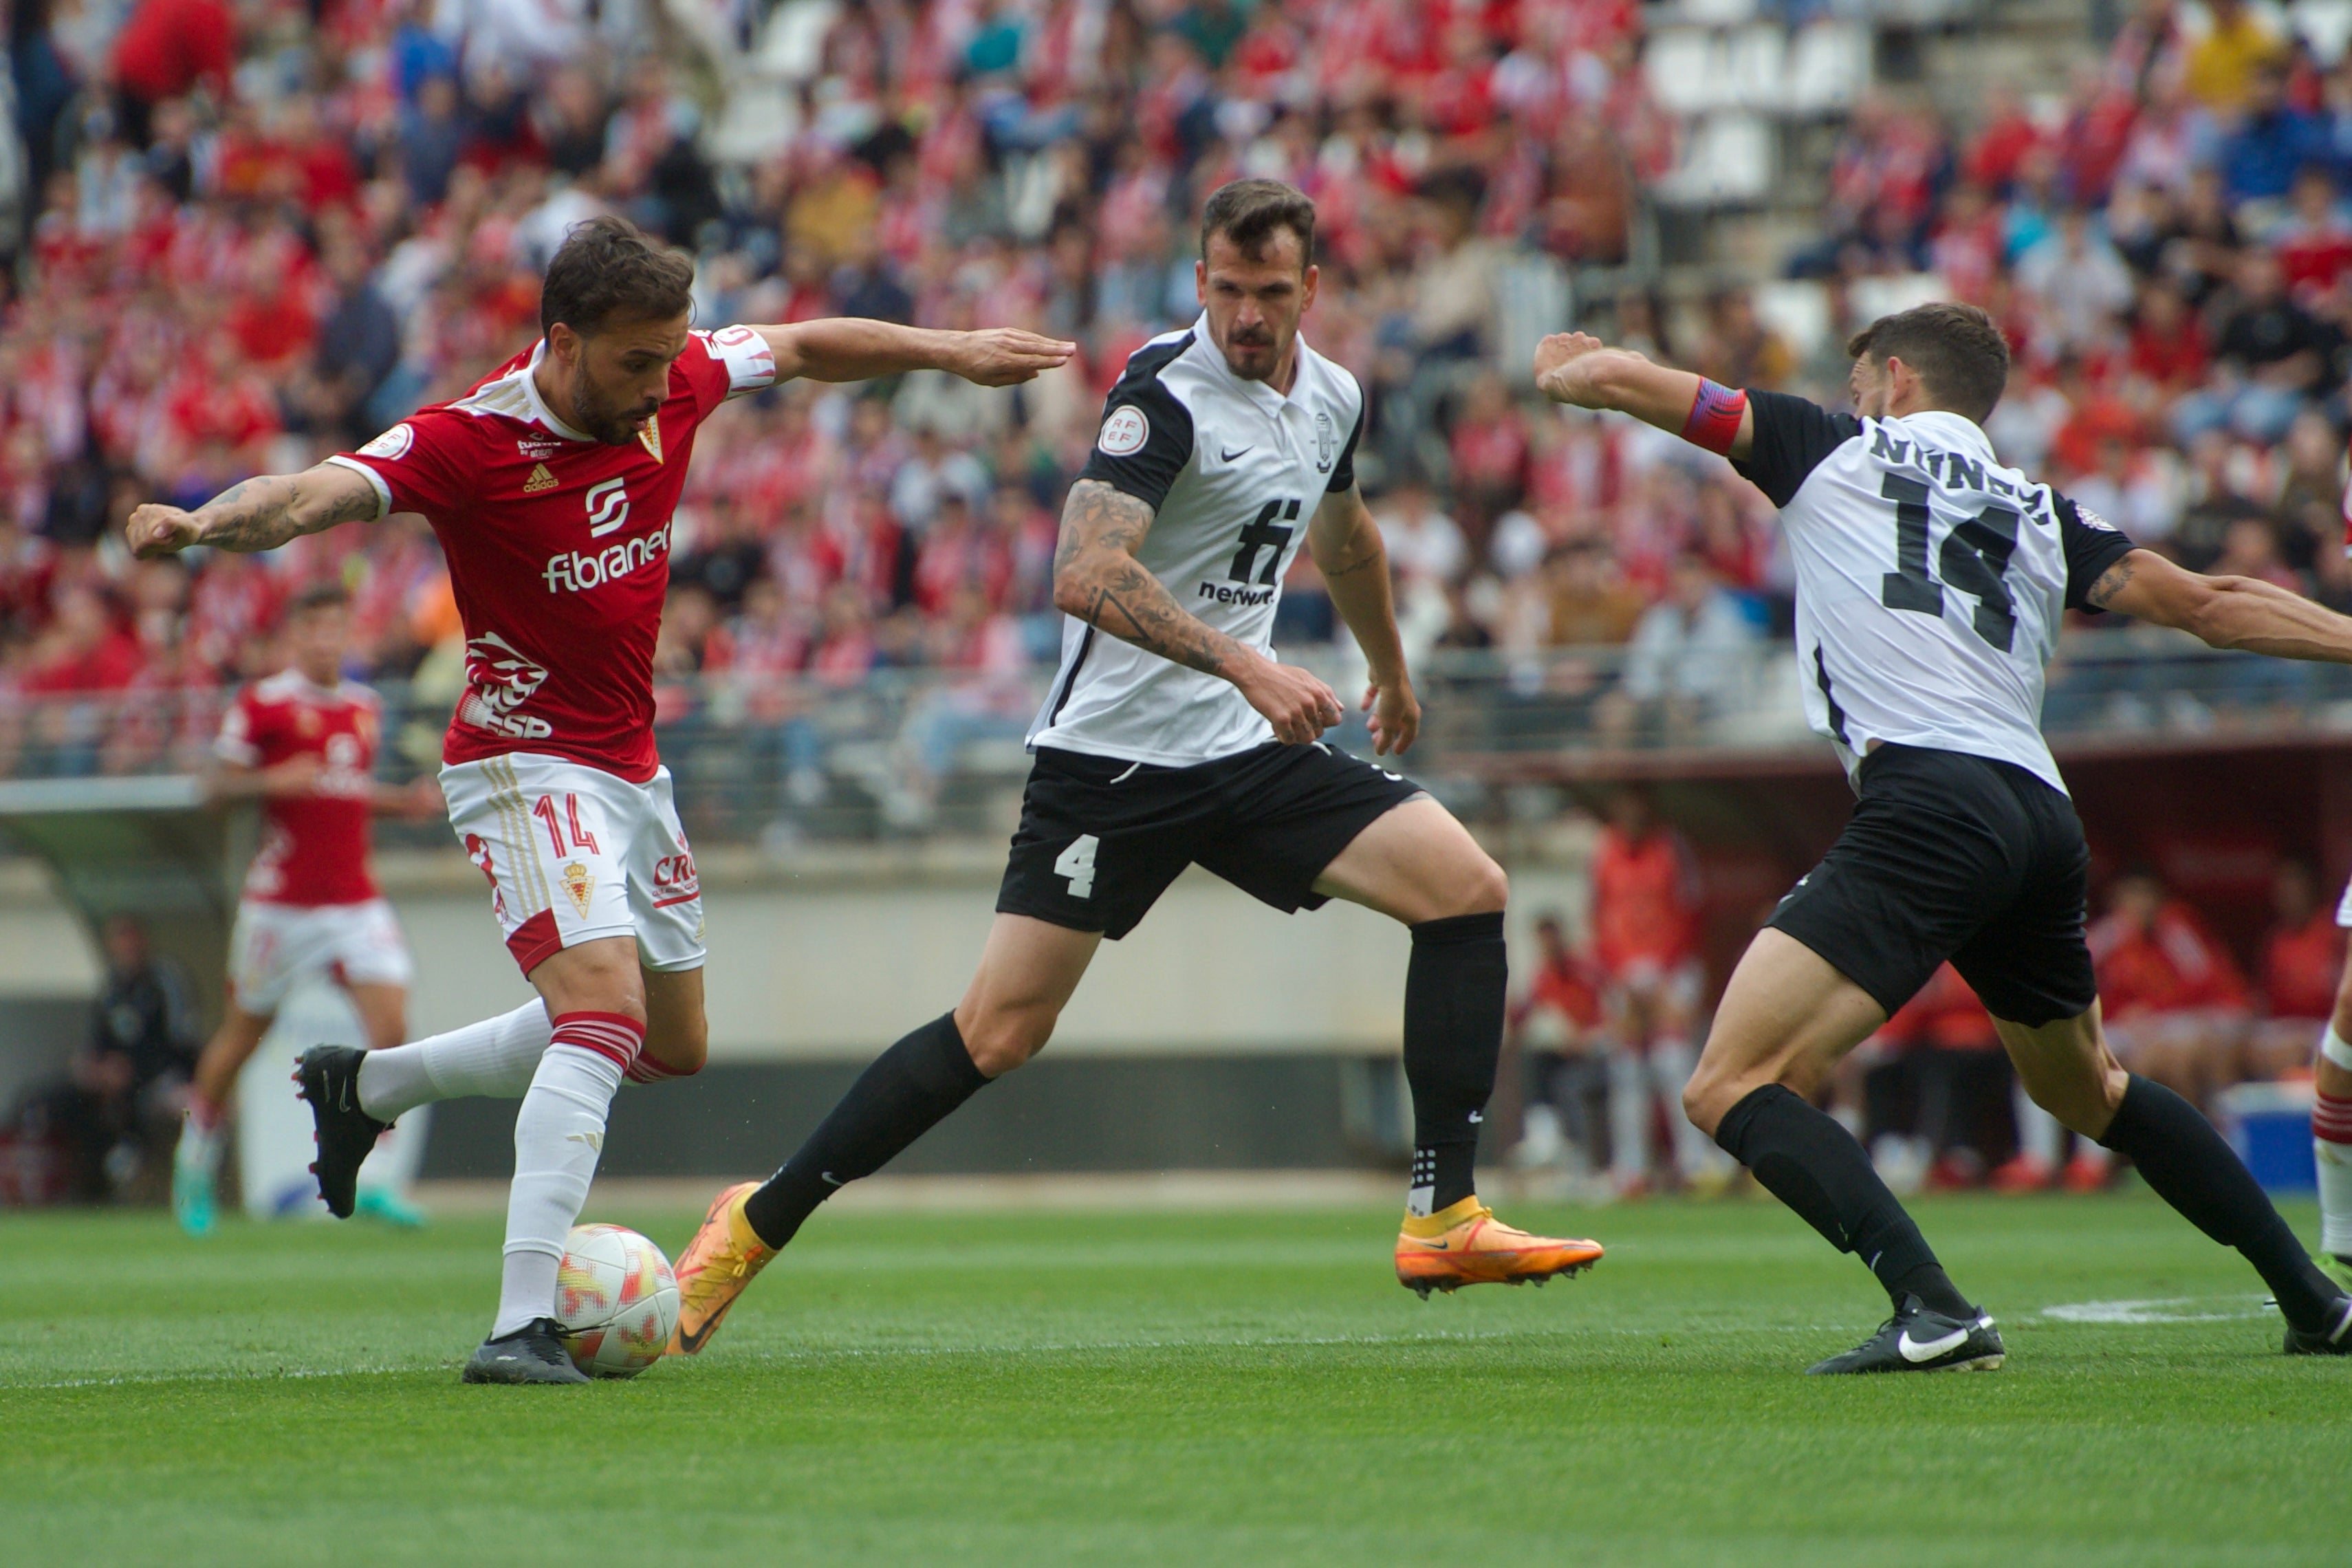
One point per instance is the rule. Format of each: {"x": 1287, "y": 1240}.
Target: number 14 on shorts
{"x": 545, "y": 809}
{"x": 1077, "y": 864}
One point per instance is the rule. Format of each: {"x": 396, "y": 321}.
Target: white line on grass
{"x": 2163, "y": 1309}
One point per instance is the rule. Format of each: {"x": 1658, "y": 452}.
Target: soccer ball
{"x": 615, "y": 1299}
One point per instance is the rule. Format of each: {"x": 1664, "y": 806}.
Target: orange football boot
{"x": 724, "y": 1257}
{"x": 1466, "y": 1244}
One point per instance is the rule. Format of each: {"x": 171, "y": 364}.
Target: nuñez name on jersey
{"x": 1931, "y": 579}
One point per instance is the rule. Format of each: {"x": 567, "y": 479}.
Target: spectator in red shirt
{"x": 167, "y": 49}
{"x": 2175, "y": 1002}
{"x": 2315, "y": 243}
{"x": 1959, "y": 1064}
{"x": 2301, "y": 957}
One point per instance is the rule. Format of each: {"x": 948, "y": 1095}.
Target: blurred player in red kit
{"x": 303, "y": 743}
{"x": 1564, "y": 1054}
{"x": 1645, "y": 939}
{"x": 551, "y": 486}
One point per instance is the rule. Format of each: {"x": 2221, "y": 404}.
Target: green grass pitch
{"x": 1188, "y": 1389}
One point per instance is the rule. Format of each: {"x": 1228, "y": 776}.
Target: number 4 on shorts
{"x": 1077, "y": 863}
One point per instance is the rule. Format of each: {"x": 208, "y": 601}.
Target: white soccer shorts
{"x": 273, "y": 945}
{"x": 574, "y": 854}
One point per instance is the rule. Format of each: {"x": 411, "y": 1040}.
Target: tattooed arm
{"x": 1098, "y": 579}
{"x": 256, "y": 514}
{"x": 2225, "y": 612}
{"x": 1347, "y": 545}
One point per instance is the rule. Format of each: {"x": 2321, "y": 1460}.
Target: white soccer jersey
{"x": 1233, "y": 471}
{"x": 1931, "y": 580}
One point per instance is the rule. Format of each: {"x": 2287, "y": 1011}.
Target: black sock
{"x": 1812, "y": 1164}
{"x": 1453, "y": 1005}
{"x": 909, "y": 1089}
{"x": 2194, "y": 1170}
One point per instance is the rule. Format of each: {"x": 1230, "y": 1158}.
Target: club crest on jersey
{"x": 541, "y": 479}
{"x": 498, "y": 680}
{"x": 1326, "y": 443}
{"x": 392, "y": 443}
{"x": 650, "y": 436}
{"x": 1125, "y": 432}
{"x": 580, "y": 884}
{"x": 608, "y": 506}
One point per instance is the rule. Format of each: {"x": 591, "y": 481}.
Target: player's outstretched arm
{"x": 1579, "y": 369}
{"x": 1098, "y": 579}
{"x": 2223, "y": 612}
{"x": 256, "y": 514}
{"x": 1354, "y": 562}
{"x": 854, "y": 348}
{"x": 226, "y": 781}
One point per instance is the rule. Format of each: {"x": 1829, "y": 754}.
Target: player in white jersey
{"x": 1172, "y": 737}
{"x": 1930, "y": 584}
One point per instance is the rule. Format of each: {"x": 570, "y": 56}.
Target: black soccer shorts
{"x": 1101, "y": 837}
{"x": 1956, "y": 856}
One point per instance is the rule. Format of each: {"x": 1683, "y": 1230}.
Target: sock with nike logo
{"x": 559, "y": 1135}
{"x": 1453, "y": 1007}
{"x": 907, "y": 1091}
{"x": 1806, "y": 1160}
{"x": 2192, "y": 1168}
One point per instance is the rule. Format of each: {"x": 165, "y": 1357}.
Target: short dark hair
{"x": 1247, "y": 212}
{"x": 325, "y": 593}
{"x": 607, "y": 270}
{"x": 1957, "y": 350}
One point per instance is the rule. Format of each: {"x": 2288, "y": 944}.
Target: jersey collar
{"x": 528, "y": 376}
{"x": 1257, "y": 392}
{"x": 1951, "y": 430}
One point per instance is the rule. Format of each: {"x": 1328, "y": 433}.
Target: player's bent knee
{"x": 1003, "y": 1039}
{"x": 1489, "y": 888}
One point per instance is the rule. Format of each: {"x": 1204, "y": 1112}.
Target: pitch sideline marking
{"x": 2159, "y": 1309}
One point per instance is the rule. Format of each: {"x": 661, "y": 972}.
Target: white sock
{"x": 494, "y": 1057}
{"x": 558, "y": 1133}
{"x": 2331, "y": 1146}
{"x": 2038, "y": 1132}
{"x": 1629, "y": 1115}
{"x": 199, "y": 1147}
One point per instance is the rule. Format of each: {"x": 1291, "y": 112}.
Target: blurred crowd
{"x": 1606, "y": 1026}
{"x": 253, "y": 234}
{"x": 2169, "y": 252}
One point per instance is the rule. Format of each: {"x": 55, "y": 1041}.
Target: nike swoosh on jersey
{"x": 1223, "y": 456}
{"x": 1913, "y": 1351}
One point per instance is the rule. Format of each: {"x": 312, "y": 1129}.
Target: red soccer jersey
{"x": 2300, "y": 965}
{"x": 314, "y": 846}
{"x": 2171, "y": 966}
{"x": 1645, "y": 900}
{"x": 559, "y": 550}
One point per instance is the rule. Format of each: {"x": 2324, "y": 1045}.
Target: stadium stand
{"x": 248, "y": 235}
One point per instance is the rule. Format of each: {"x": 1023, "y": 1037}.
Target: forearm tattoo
{"x": 1101, "y": 526}
{"x": 264, "y": 514}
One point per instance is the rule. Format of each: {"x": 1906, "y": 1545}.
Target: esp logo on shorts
{"x": 608, "y": 507}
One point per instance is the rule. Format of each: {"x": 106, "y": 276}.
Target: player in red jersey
{"x": 1645, "y": 937}
{"x": 551, "y": 486}
{"x": 303, "y": 743}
